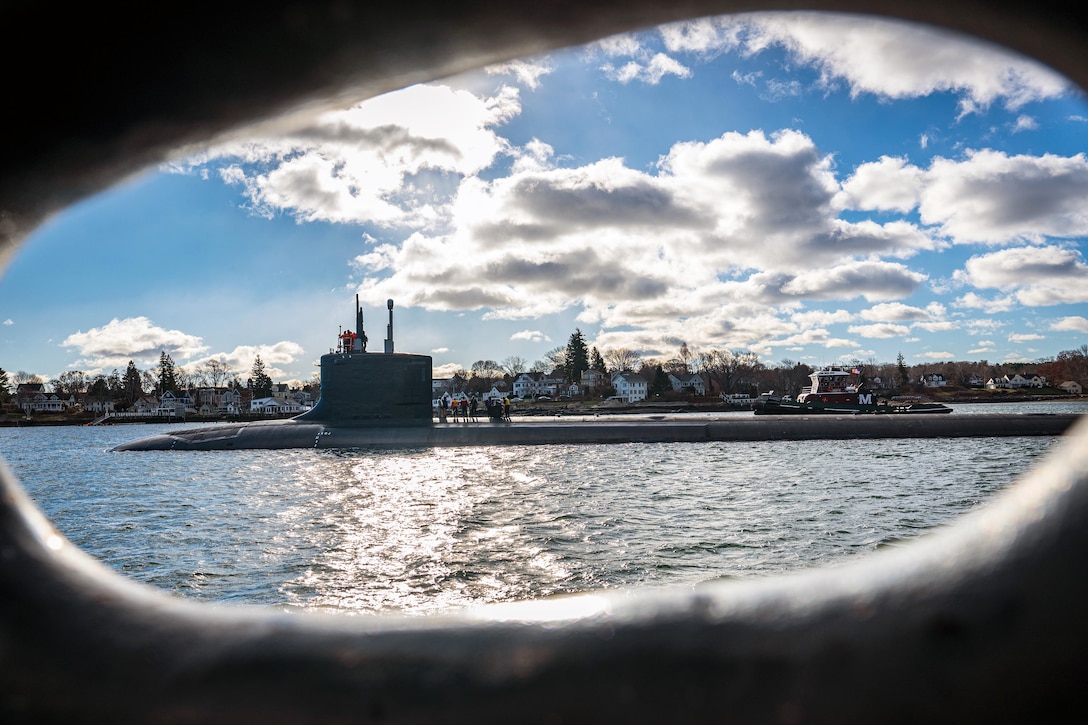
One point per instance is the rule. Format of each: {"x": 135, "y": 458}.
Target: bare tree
{"x": 731, "y": 370}
{"x": 217, "y": 371}
{"x": 514, "y": 366}
{"x": 70, "y": 382}
{"x": 622, "y": 360}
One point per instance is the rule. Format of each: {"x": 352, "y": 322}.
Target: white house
{"x": 275, "y": 406}
{"x": 98, "y": 404}
{"x": 631, "y": 387}
{"x": 934, "y": 380}
{"x": 1018, "y": 380}
{"x": 689, "y": 382}
{"x": 43, "y": 402}
{"x": 171, "y": 403}
{"x": 530, "y": 385}
{"x": 1072, "y": 387}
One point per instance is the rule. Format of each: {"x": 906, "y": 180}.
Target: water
{"x": 434, "y": 530}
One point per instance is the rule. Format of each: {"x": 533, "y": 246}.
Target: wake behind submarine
{"x": 384, "y": 400}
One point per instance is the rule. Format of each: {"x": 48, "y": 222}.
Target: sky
{"x": 807, "y": 187}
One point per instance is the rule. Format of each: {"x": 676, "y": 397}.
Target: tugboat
{"x": 832, "y": 391}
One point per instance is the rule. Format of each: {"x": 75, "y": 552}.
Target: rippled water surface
{"x": 430, "y": 530}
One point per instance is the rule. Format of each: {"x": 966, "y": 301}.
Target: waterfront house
{"x": 630, "y": 387}
{"x": 688, "y": 382}
{"x": 98, "y": 404}
{"x": 43, "y": 402}
{"x": 275, "y": 406}
{"x": 175, "y": 403}
{"x": 1072, "y": 387}
{"x": 934, "y": 380}
{"x": 527, "y": 384}
{"x": 145, "y": 405}
{"x": 1017, "y": 381}
{"x": 230, "y": 402}
{"x": 594, "y": 380}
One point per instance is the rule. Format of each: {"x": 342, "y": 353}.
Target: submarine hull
{"x": 299, "y": 433}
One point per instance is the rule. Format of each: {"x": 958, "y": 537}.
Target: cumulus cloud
{"x": 880, "y": 330}
{"x": 383, "y": 161}
{"x": 1075, "y": 323}
{"x": 991, "y": 197}
{"x": 890, "y": 184}
{"x": 986, "y": 197}
{"x": 887, "y": 59}
{"x": 133, "y": 338}
{"x": 894, "y": 312}
{"x": 531, "y": 336}
{"x": 242, "y": 358}
{"x": 1035, "y": 276}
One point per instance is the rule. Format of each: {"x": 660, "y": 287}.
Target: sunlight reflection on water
{"x": 434, "y": 530}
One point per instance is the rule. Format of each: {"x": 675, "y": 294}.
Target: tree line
{"x": 126, "y": 388}
{"x": 742, "y": 371}
{"x": 725, "y": 371}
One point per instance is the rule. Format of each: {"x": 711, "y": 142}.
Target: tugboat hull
{"x": 768, "y": 405}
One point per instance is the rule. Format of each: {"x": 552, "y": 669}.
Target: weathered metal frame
{"x": 982, "y": 622}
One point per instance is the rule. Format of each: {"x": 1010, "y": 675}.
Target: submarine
{"x": 384, "y": 400}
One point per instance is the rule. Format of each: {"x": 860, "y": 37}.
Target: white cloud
{"x": 879, "y": 330}
{"x": 884, "y": 58}
{"x": 9, "y": 321}
{"x": 990, "y": 197}
{"x": 1025, "y": 123}
{"x": 446, "y": 370}
{"x": 134, "y": 338}
{"x": 1075, "y": 323}
{"x": 1025, "y": 337}
{"x": 895, "y": 312}
{"x": 651, "y": 72}
{"x": 527, "y": 72}
{"x": 1036, "y": 276}
{"x": 531, "y": 336}
{"x": 888, "y": 184}
{"x": 975, "y": 302}
{"x": 242, "y": 358}
{"x": 624, "y": 44}
{"x": 385, "y": 160}
{"x": 938, "y": 355}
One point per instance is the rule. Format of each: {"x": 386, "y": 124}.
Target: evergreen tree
{"x": 576, "y": 360}
{"x": 114, "y": 386}
{"x": 660, "y": 382}
{"x": 901, "y": 370}
{"x": 261, "y": 383}
{"x": 168, "y": 379}
{"x": 4, "y": 385}
{"x": 596, "y": 362}
{"x": 131, "y": 385}
{"x": 99, "y": 387}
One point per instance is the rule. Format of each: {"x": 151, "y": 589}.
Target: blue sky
{"x": 809, "y": 187}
